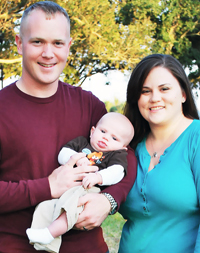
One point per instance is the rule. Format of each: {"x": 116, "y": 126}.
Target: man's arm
{"x": 97, "y": 206}
{"x": 26, "y": 193}
{"x": 120, "y": 191}
{"x": 23, "y": 194}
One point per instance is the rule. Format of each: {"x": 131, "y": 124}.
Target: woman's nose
{"x": 155, "y": 96}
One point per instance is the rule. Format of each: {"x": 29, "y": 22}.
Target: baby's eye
{"x": 115, "y": 139}
{"x": 103, "y": 131}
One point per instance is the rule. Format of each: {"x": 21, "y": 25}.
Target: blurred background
{"x": 109, "y": 38}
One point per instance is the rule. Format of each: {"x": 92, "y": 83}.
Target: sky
{"x": 97, "y": 85}
{"x": 115, "y": 90}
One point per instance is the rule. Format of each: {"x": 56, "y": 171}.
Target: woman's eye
{"x": 114, "y": 138}
{"x": 165, "y": 88}
{"x": 145, "y": 91}
{"x": 103, "y": 131}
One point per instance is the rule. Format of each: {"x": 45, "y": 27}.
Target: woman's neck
{"x": 164, "y": 132}
{"x": 161, "y": 137}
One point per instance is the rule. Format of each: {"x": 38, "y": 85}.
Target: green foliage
{"x": 117, "y": 106}
{"x": 10, "y": 14}
{"x": 177, "y": 29}
{"x": 180, "y": 26}
{"x": 99, "y": 42}
{"x": 115, "y": 34}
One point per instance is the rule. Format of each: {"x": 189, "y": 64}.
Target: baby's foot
{"x": 42, "y": 236}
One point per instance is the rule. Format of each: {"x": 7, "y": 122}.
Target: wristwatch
{"x": 112, "y": 201}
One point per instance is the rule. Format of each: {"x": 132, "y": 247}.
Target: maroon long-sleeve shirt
{"x": 32, "y": 132}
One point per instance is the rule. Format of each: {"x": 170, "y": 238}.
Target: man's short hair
{"x": 48, "y": 7}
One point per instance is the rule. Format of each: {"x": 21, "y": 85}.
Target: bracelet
{"x": 112, "y": 201}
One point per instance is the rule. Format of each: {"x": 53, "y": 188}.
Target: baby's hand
{"x": 83, "y": 162}
{"x": 91, "y": 179}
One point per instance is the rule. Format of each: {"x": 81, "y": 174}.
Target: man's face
{"x": 44, "y": 46}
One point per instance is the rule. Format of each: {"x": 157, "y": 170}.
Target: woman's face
{"x": 161, "y": 99}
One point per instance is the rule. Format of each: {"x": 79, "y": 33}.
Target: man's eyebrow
{"x": 36, "y": 38}
{"x": 43, "y": 39}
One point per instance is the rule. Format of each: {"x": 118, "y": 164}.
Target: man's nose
{"x": 47, "y": 51}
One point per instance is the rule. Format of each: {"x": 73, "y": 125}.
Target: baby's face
{"x": 106, "y": 138}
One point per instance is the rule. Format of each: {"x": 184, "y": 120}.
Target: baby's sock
{"x": 42, "y": 236}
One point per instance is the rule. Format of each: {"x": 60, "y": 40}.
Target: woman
{"x": 162, "y": 208}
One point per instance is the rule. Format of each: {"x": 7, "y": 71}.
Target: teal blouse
{"x": 162, "y": 208}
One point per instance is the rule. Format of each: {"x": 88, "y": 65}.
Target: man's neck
{"x": 37, "y": 90}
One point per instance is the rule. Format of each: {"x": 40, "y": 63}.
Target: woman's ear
{"x": 184, "y": 97}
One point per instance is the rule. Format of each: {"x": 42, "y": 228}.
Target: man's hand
{"x": 66, "y": 176}
{"x": 96, "y": 209}
{"x": 83, "y": 161}
{"x": 91, "y": 179}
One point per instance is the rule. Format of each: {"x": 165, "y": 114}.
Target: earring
{"x": 183, "y": 100}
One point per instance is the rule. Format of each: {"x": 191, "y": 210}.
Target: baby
{"x": 107, "y": 150}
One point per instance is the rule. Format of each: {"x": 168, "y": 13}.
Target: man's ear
{"x": 18, "y": 41}
{"x": 92, "y": 131}
{"x": 125, "y": 148}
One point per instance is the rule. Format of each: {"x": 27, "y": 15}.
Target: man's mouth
{"x": 46, "y": 65}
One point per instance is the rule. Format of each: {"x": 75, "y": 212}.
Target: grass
{"x": 112, "y": 228}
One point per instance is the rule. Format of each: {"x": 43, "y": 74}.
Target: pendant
{"x": 155, "y": 154}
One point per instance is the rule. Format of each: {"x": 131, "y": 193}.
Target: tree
{"x": 99, "y": 43}
{"x": 10, "y": 14}
{"x": 116, "y": 34}
{"x": 117, "y": 106}
{"x": 177, "y": 28}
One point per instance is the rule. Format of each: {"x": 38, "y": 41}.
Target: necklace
{"x": 155, "y": 154}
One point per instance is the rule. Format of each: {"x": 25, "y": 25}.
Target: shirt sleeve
{"x": 120, "y": 190}
{"x": 112, "y": 175}
{"x": 27, "y": 193}
{"x": 118, "y": 157}
{"x": 65, "y": 154}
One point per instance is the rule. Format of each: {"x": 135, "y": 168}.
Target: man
{"x": 39, "y": 114}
